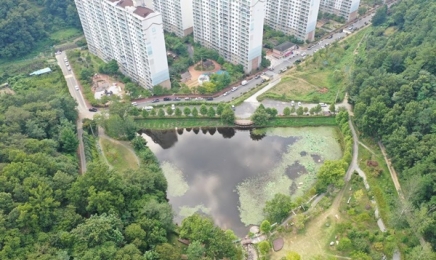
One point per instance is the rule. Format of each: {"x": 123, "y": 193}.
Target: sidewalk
{"x": 253, "y": 98}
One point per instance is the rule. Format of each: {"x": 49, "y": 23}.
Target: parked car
{"x": 76, "y": 87}
{"x": 209, "y": 98}
{"x": 233, "y": 107}
{"x": 225, "y": 93}
{"x": 93, "y": 109}
{"x": 187, "y": 98}
{"x": 173, "y": 107}
{"x": 297, "y": 61}
{"x": 257, "y": 76}
{"x": 155, "y": 100}
{"x": 330, "y": 36}
{"x": 134, "y": 104}
{"x": 299, "y": 104}
{"x": 323, "y": 104}
{"x": 166, "y": 99}
{"x": 177, "y": 99}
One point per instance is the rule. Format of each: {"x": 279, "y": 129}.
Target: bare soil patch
{"x": 4, "y": 91}
{"x": 323, "y": 90}
{"x": 102, "y": 79}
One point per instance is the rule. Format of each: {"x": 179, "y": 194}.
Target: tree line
{"x": 23, "y": 26}
{"x": 393, "y": 90}
{"x": 48, "y": 211}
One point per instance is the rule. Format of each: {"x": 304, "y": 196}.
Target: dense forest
{"x": 394, "y": 93}
{"x": 49, "y": 211}
{"x": 24, "y": 23}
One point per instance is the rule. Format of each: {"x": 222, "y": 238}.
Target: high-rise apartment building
{"x": 293, "y": 17}
{"x": 344, "y": 8}
{"x": 129, "y": 33}
{"x": 176, "y": 15}
{"x": 232, "y": 27}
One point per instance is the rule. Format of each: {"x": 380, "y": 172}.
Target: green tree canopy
{"x": 278, "y": 208}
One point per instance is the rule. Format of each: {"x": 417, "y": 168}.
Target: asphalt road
{"x": 81, "y": 105}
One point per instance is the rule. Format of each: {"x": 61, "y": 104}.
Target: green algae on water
{"x": 177, "y": 186}
{"x": 186, "y": 211}
{"x": 254, "y": 192}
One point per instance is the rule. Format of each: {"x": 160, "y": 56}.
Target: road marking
{"x": 68, "y": 76}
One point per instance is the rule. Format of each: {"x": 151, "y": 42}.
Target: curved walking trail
{"x": 101, "y": 134}
{"x": 397, "y": 185}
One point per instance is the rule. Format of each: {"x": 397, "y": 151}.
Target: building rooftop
{"x": 284, "y": 46}
{"x": 41, "y": 71}
{"x": 143, "y": 11}
{"x": 124, "y": 3}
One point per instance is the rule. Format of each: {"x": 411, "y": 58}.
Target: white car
{"x": 76, "y": 87}
{"x": 173, "y": 107}
{"x": 299, "y": 104}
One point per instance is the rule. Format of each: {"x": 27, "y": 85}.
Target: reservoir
{"x": 229, "y": 174}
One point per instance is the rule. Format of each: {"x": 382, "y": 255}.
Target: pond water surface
{"x": 229, "y": 174}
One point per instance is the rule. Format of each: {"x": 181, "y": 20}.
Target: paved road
{"x": 280, "y": 64}
{"x": 82, "y": 107}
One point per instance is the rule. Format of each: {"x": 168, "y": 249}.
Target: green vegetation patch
{"x": 177, "y": 186}
{"x": 65, "y": 34}
{"x": 254, "y": 192}
{"x": 320, "y": 78}
{"x": 119, "y": 156}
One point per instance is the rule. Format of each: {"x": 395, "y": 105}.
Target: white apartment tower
{"x": 232, "y": 27}
{"x": 344, "y": 8}
{"x": 293, "y": 17}
{"x": 129, "y": 33}
{"x": 176, "y": 15}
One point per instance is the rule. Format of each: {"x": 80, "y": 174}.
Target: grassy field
{"x": 321, "y": 77}
{"x": 65, "y": 34}
{"x": 169, "y": 123}
{"x": 118, "y": 155}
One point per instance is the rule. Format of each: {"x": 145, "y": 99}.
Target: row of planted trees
{"x": 224, "y": 111}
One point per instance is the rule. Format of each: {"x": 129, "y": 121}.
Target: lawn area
{"x": 170, "y": 123}
{"x": 322, "y": 77}
{"x": 118, "y": 155}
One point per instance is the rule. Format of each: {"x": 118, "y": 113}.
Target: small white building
{"x": 203, "y": 78}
